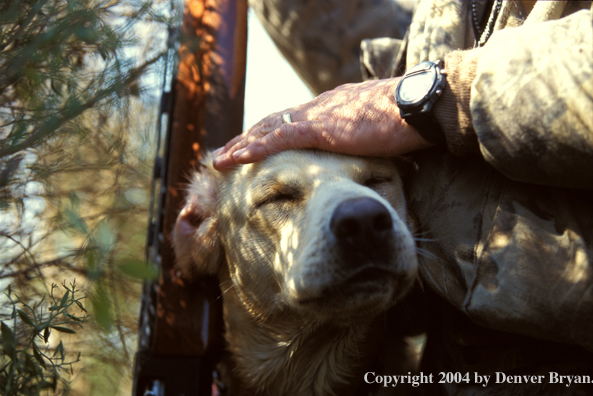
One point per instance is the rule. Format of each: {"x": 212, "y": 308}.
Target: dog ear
{"x": 195, "y": 238}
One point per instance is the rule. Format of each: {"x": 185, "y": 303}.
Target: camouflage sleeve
{"x": 532, "y": 102}
{"x": 321, "y": 39}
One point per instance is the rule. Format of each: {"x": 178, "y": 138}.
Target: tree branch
{"x": 69, "y": 114}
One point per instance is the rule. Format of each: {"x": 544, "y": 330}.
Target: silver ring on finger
{"x": 286, "y": 118}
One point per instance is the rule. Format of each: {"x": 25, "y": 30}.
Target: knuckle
{"x": 325, "y": 139}
{"x": 266, "y": 123}
{"x": 283, "y": 136}
{"x": 283, "y": 131}
{"x": 271, "y": 122}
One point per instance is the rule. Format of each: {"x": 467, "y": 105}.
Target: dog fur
{"x": 307, "y": 272}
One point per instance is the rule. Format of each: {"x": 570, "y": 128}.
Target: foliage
{"x": 77, "y": 119}
{"x": 51, "y": 72}
{"x": 27, "y": 367}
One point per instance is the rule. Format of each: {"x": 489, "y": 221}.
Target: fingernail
{"x": 238, "y": 153}
{"x": 217, "y": 151}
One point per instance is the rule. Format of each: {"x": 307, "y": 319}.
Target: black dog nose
{"x": 360, "y": 221}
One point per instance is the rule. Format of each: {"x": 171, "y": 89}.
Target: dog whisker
{"x": 225, "y": 291}
{"x": 426, "y": 253}
{"x": 425, "y": 239}
{"x": 420, "y": 234}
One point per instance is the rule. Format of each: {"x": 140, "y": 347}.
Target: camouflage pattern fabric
{"x": 321, "y": 39}
{"x": 510, "y": 231}
{"x": 522, "y": 244}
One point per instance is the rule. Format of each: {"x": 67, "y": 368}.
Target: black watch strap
{"x": 428, "y": 127}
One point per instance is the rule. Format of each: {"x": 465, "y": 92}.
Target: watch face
{"x": 416, "y": 86}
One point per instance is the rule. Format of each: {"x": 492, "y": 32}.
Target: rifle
{"x": 180, "y": 327}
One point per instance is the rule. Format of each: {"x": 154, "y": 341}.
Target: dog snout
{"x": 360, "y": 222}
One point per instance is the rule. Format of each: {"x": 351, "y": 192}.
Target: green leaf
{"x": 64, "y": 299}
{"x": 72, "y": 317}
{"x": 95, "y": 271}
{"x": 32, "y": 366}
{"x": 60, "y": 350}
{"x": 101, "y": 307}
{"x": 46, "y": 333}
{"x": 76, "y": 221}
{"x": 139, "y": 269}
{"x": 38, "y": 356}
{"x": 55, "y": 87}
{"x": 25, "y": 318}
{"x": 80, "y": 305}
{"x": 85, "y": 34}
{"x": 35, "y": 78}
{"x": 105, "y": 237}
{"x": 63, "y": 329}
{"x": 8, "y": 341}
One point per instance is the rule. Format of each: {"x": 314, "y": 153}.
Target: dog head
{"x": 320, "y": 234}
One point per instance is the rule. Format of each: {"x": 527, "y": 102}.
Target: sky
{"x": 271, "y": 83}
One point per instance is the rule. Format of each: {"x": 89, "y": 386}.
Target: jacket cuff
{"x": 452, "y": 110}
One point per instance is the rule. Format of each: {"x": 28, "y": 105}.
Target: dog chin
{"x": 362, "y": 295}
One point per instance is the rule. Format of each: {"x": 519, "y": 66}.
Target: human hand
{"x": 358, "y": 119}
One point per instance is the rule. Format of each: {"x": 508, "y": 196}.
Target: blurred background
{"x": 80, "y": 84}
{"x": 271, "y": 84}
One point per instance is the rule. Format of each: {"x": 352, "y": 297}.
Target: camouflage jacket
{"x": 513, "y": 227}
{"x": 510, "y": 228}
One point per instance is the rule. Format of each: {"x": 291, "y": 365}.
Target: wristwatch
{"x": 416, "y": 94}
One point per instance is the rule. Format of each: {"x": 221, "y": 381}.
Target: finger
{"x": 228, "y": 145}
{"x": 244, "y": 141}
{"x": 296, "y": 135}
{"x": 266, "y": 125}
{"x": 224, "y": 156}
{"x": 225, "y": 160}
{"x": 297, "y": 113}
{"x": 256, "y": 129}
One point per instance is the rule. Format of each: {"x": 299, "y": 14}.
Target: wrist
{"x": 452, "y": 110}
{"x": 416, "y": 94}
{"x": 407, "y": 138}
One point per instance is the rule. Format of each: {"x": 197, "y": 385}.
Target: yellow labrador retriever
{"x": 311, "y": 249}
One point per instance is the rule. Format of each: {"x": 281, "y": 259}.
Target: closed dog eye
{"x": 374, "y": 181}
{"x": 279, "y": 197}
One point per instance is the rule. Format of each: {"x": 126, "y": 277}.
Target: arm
{"x": 529, "y": 113}
{"x": 531, "y": 107}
